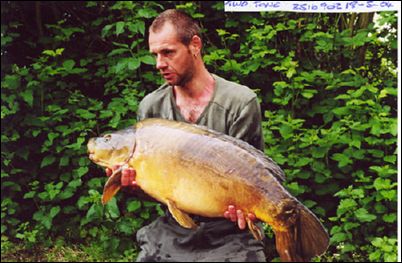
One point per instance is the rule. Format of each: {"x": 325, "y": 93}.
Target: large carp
{"x": 195, "y": 170}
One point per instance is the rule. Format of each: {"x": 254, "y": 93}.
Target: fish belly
{"x": 195, "y": 190}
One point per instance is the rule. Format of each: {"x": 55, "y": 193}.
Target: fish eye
{"x": 107, "y": 137}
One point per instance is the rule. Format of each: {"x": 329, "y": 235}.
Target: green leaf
{"x": 133, "y": 206}
{"x": 303, "y": 161}
{"x": 342, "y": 159}
{"x": 341, "y": 111}
{"x": 81, "y": 171}
{"x": 64, "y": 161}
{"x": 125, "y": 227}
{"x": 118, "y": 51}
{"x": 389, "y": 194}
{"x": 364, "y": 216}
{"x": 120, "y": 66}
{"x": 147, "y": 13}
{"x": 150, "y": 60}
{"x": 86, "y": 114}
{"x": 94, "y": 212}
{"x": 390, "y": 218}
{"x": 48, "y": 160}
{"x": 113, "y": 209}
{"x": 27, "y": 95}
{"x": 380, "y": 183}
{"x": 390, "y": 159}
{"x": 345, "y": 205}
{"x": 339, "y": 237}
{"x": 68, "y": 64}
{"x": 119, "y": 27}
{"x": 286, "y": 131}
{"x": 12, "y": 82}
{"x": 51, "y": 136}
{"x": 54, "y": 211}
{"x": 106, "y": 29}
{"x": 133, "y": 63}
{"x": 75, "y": 183}
{"x": 308, "y": 93}
{"x": 49, "y": 53}
{"x": 29, "y": 195}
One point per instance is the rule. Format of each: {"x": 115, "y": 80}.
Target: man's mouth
{"x": 167, "y": 75}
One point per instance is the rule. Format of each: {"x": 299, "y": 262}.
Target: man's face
{"x": 173, "y": 58}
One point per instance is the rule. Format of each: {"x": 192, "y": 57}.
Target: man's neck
{"x": 201, "y": 85}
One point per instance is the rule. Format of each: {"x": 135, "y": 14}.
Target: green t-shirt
{"x": 233, "y": 110}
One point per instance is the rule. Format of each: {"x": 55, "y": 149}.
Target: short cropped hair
{"x": 186, "y": 27}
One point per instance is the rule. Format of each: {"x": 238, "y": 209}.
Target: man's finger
{"x": 240, "y": 220}
{"x": 226, "y": 215}
{"x": 251, "y": 216}
{"x": 108, "y": 172}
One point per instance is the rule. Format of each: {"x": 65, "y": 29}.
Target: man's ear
{"x": 195, "y": 45}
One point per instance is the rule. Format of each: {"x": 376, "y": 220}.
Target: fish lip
{"x": 100, "y": 162}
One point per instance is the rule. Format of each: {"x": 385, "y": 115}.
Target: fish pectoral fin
{"x": 182, "y": 218}
{"x": 112, "y": 186}
{"x": 254, "y": 229}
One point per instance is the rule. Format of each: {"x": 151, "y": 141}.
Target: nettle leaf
{"x": 308, "y": 93}
{"x": 64, "y": 161}
{"x": 342, "y": 159}
{"x": 303, "y": 161}
{"x": 54, "y": 211}
{"x": 380, "y": 183}
{"x": 346, "y": 205}
{"x": 48, "y": 160}
{"x": 86, "y": 114}
{"x": 27, "y": 96}
{"x": 364, "y": 216}
{"x": 341, "y": 111}
{"x": 81, "y": 171}
{"x": 339, "y": 237}
{"x": 112, "y": 208}
{"x": 390, "y": 218}
{"x": 95, "y": 212}
{"x": 286, "y": 131}
{"x": 133, "y": 206}
{"x": 68, "y": 64}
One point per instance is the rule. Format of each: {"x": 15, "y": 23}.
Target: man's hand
{"x": 127, "y": 176}
{"x": 237, "y": 215}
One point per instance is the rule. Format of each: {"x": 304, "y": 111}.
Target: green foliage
{"x": 327, "y": 84}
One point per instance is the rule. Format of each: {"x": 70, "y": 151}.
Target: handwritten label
{"x": 312, "y": 6}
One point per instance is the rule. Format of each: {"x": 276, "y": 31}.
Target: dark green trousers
{"x": 217, "y": 240}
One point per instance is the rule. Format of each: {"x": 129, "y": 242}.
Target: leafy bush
{"x": 327, "y": 85}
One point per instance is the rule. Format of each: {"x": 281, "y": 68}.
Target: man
{"x": 191, "y": 94}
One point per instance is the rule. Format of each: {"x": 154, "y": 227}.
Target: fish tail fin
{"x": 314, "y": 237}
{"x": 303, "y": 240}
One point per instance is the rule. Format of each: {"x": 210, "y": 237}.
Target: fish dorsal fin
{"x": 264, "y": 160}
{"x": 182, "y": 218}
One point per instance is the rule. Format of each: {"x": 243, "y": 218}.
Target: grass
{"x": 59, "y": 252}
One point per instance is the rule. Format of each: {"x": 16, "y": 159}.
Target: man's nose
{"x": 160, "y": 63}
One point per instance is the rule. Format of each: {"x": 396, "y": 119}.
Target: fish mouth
{"x": 99, "y": 162}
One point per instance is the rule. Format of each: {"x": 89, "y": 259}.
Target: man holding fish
{"x": 192, "y": 94}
